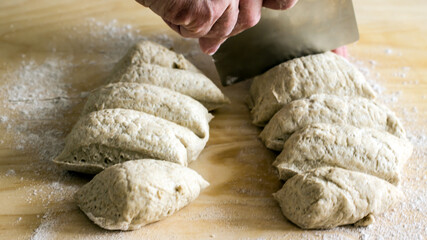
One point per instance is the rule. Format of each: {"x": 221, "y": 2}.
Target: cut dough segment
{"x": 157, "y": 101}
{"x": 329, "y": 197}
{"x": 130, "y": 195}
{"x": 322, "y": 108}
{"x": 195, "y": 85}
{"x": 154, "y": 53}
{"x": 302, "y": 77}
{"x": 106, "y": 137}
{"x": 365, "y": 150}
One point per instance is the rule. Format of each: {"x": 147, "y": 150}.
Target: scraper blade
{"x": 310, "y": 27}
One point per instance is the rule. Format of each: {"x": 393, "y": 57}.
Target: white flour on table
{"x": 38, "y": 96}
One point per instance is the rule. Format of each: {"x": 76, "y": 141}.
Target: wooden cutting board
{"x": 78, "y": 41}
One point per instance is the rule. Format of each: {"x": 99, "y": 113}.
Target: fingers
{"x": 226, "y": 23}
{"x": 212, "y": 21}
{"x": 144, "y": 3}
{"x": 210, "y": 45}
{"x": 190, "y": 18}
{"x": 220, "y": 30}
{"x": 172, "y": 26}
{"x": 279, "y": 4}
{"x": 342, "y": 51}
{"x": 249, "y": 15}
{"x": 198, "y": 21}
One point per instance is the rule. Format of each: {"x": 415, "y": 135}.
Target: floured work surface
{"x": 54, "y": 53}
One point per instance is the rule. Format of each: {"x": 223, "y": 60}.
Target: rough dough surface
{"x": 154, "y": 53}
{"x": 157, "y": 101}
{"x": 106, "y": 137}
{"x": 329, "y": 197}
{"x": 130, "y": 195}
{"x": 365, "y": 150}
{"x": 322, "y": 108}
{"x": 302, "y": 77}
{"x": 195, "y": 85}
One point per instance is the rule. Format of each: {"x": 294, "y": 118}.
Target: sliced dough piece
{"x": 195, "y": 85}
{"x": 130, "y": 195}
{"x": 157, "y": 101}
{"x": 154, "y": 53}
{"x": 106, "y": 137}
{"x": 322, "y": 108}
{"x": 365, "y": 150}
{"x": 329, "y": 197}
{"x": 302, "y": 77}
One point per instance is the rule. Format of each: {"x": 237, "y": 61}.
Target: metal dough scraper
{"x": 310, "y": 27}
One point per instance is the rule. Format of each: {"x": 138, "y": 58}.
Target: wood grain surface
{"x": 87, "y": 37}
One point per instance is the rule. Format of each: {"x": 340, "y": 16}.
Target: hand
{"x": 342, "y": 51}
{"x": 212, "y": 21}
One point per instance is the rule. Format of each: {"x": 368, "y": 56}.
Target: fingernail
{"x": 211, "y": 51}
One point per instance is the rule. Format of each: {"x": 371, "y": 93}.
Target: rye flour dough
{"x": 130, "y": 195}
{"x": 360, "y": 149}
{"x": 329, "y": 197}
{"x": 302, "y": 77}
{"x": 322, "y": 108}
{"x": 177, "y": 74}
{"x": 157, "y": 101}
{"x": 106, "y": 137}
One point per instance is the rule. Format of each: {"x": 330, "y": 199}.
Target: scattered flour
{"x": 10, "y": 172}
{"x": 39, "y": 95}
{"x": 407, "y": 221}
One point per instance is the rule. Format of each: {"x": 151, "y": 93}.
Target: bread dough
{"x": 158, "y": 101}
{"x": 195, "y": 85}
{"x": 130, "y": 195}
{"x": 322, "y": 108}
{"x": 329, "y": 197}
{"x": 302, "y": 77}
{"x": 365, "y": 150}
{"x": 147, "y": 63}
{"x": 106, "y": 137}
{"x": 154, "y": 53}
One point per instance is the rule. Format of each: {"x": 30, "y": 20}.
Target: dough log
{"x": 302, "y": 77}
{"x": 321, "y": 108}
{"x": 329, "y": 197}
{"x": 154, "y": 53}
{"x": 106, "y": 137}
{"x": 130, "y": 195}
{"x": 157, "y": 101}
{"x": 365, "y": 150}
{"x": 151, "y": 63}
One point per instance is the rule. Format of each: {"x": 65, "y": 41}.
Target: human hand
{"x": 212, "y": 21}
{"x": 342, "y": 51}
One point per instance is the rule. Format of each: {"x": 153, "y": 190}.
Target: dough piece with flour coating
{"x": 151, "y": 63}
{"x": 106, "y": 137}
{"x": 154, "y": 53}
{"x": 321, "y": 108}
{"x": 365, "y": 150}
{"x": 302, "y": 77}
{"x": 195, "y": 85}
{"x": 130, "y": 195}
{"x": 157, "y": 101}
{"x": 329, "y": 197}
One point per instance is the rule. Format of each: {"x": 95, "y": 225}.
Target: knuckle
{"x": 251, "y": 21}
{"x": 201, "y": 28}
{"x": 181, "y": 17}
{"x": 195, "y": 32}
{"x": 286, "y": 4}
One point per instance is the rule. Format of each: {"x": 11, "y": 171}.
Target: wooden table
{"x": 58, "y": 50}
